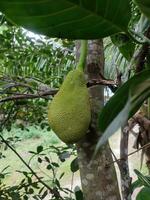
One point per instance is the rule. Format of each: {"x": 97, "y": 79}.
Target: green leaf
{"x": 55, "y": 164}
{"x": 39, "y": 160}
{"x": 74, "y": 165}
{"x": 72, "y": 19}
{"x": 78, "y": 193}
{"x": 136, "y": 184}
{"x": 124, "y": 44}
{"x": 144, "y": 180}
{"x": 49, "y": 167}
{"x": 61, "y": 175}
{"x": 39, "y": 149}
{"x": 144, "y": 194}
{"x": 124, "y": 104}
{"x": 144, "y": 6}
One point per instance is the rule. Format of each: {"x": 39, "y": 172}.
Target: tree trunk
{"x": 124, "y": 166}
{"x": 99, "y": 181}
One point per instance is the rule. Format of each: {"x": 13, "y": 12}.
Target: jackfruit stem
{"x": 83, "y": 55}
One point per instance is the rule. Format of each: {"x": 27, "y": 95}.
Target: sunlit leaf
{"x": 144, "y": 180}
{"x": 75, "y": 19}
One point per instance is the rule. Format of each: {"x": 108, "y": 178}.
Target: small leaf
{"x": 25, "y": 197}
{"x": 39, "y": 149}
{"x": 49, "y": 167}
{"x": 55, "y": 164}
{"x": 32, "y": 152}
{"x": 31, "y": 191}
{"x": 47, "y": 159}
{"x": 57, "y": 183}
{"x": 61, "y": 175}
{"x": 39, "y": 160}
{"x": 74, "y": 165}
{"x": 44, "y": 194}
{"x": 78, "y": 193}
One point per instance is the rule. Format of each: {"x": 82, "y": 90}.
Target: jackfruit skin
{"x": 69, "y": 112}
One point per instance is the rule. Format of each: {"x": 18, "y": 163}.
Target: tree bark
{"x": 124, "y": 166}
{"x": 99, "y": 181}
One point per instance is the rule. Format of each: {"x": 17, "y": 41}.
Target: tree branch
{"x": 106, "y": 82}
{"x": 29, "y": 96}
{"x": 53, "y": 191}
{"x": 130, "y": 154}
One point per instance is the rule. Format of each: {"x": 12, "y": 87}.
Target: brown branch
{"x": 11, "y": 85}
{"x": 142, "y": 121}
{"x": 124, "y": 163}
{"x": 29, "y": 96}
{"x": 130, "y": 154}
{"x": 106, "y": 82}
{"x": 52, "y": 190}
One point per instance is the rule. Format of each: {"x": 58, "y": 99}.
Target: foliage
{"x": 70, "y": 19}
{"x": 142, "y": 181}
{"x": 49, "y": 161}
{"x": 125, "y": 107}
{"x": 22, "y": 56}
{"x": 33, "y": 66}
{"x": 144, "y": 6}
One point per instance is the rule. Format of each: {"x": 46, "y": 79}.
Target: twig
{"x": 29, "y": 96}
{"x": 141, "y": 148}
{"x": 53, "y": 191}
{"x": 115, "y": 158}
{"x": 106, "y": 82}
{"x": 11, "y": 85}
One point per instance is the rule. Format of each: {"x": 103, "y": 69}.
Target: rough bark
{"x": 99, "y": 181}
{"x": 124, "y": 166}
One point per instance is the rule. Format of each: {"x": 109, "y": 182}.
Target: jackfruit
{"x": 69, "y": 112}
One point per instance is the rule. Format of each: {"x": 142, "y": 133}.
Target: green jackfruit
{"x": 69, "y": 113}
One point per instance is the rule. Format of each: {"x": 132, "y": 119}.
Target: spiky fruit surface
{"x": 69, "y": 113}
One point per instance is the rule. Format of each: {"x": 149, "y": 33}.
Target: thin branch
{"x": 11, "y": 85}
{"x": 142, "y": 121}
{"x": 130, "y": 154}
{"x": 53, "y": 191}
{"x": 115, "y": 158}
{"x": 106, "y": 82}
{"x": 29, "y": 96}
